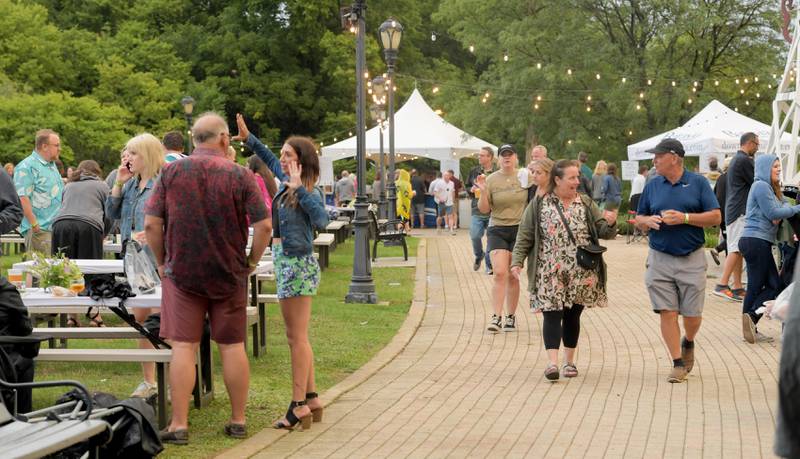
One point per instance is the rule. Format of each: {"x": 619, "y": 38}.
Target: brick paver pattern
{"x": 459, "y": 391}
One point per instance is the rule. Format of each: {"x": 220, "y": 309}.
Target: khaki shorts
{"x": 676, "y": 283}
{"x": 39, "y": 242}
{"x": 733, "y": 233}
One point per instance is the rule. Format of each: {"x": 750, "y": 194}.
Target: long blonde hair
{"x": 600, "y": 168}
{"x": 151, "y": 151}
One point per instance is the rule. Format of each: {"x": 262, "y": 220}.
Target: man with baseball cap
{"x": 675, "y": 207}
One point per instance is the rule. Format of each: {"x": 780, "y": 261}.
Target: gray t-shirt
{"x": 84, "y": 201}
{"x": 345, "y": 189}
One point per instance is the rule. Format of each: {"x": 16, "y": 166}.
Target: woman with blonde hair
{"x": 541, "y": 169}
{"x": 297, "y": 210}
{"x": 598, "y": 179}
{"x": 132, "y": 188}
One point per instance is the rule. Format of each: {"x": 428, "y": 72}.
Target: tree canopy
{"x": 591, "y": 75}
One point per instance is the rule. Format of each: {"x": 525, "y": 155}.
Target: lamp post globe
{"x": 391, "y": 32}
{"x": 188, "y": 108}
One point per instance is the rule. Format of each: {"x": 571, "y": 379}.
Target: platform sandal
{"x": 316, "y": 413}
{"x": 291, "y": 420}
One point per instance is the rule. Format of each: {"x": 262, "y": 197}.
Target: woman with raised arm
{"x": 297, "y": 209}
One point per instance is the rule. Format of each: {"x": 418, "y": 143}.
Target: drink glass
{"x": 15, "y": 276}
{"x": 77, "y": 285}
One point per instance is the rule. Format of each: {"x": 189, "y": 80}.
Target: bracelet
{"x": 686, "y": 218}
{"x": 119, "y": 183}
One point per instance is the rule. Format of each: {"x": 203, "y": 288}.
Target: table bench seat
{"x": 323, "y": 243}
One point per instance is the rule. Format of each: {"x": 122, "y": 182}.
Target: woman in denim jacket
{"x": 297, "y": 210}
{"x": 765, "y": 209}
{"x": 132, "y": 188}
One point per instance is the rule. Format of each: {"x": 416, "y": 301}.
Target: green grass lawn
{"x": 344, "y": 337}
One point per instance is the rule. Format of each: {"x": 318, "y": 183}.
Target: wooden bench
{"x": 12, "y": 240}
{"x": 158, "y": 356}
{"x": 323, "y": 243}
{"x": 337, "y": 228}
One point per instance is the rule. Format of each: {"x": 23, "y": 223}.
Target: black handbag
{"x": 589, "y": 256}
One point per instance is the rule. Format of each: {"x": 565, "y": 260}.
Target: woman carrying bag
{"x": 553, "y": 229}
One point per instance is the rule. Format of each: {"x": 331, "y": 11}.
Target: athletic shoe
{"x": 723, "y": 291}
{"x": 489, "y": 271}
{"x": 687, "y": 354}
{"x": 477, "y": 265}
{"x": 510, "y": 324}
{"x": 495, "y": 323}
{"x": 739, "y": 293}
{"x": 677, "y": 375}
{"x": 145, "y": 390}
{"x": 748, "y": 328}
{"x": 714, "y": 255}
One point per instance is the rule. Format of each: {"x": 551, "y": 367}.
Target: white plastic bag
{"x": 779, "y": 307}
{"x": 140, "y": 269}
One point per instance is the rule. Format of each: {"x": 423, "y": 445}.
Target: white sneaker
{"x": 145, "y": 390}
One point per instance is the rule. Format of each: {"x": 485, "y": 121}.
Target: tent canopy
{"x": 715, "y": 130}
{"x": 418, "y": 131}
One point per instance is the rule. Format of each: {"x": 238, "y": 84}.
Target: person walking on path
{"x": 133, "y": 186}
{"x": 479, "y": 221}
{"x": 766, "y": 207}
{"x": 675, "y": 207}
{"x": 402, "y": 185}
{"x": 40, "y": 188}
{"x": 504, "y": 198}
{"x": 196, "y": 225}
{"x": 598, "y": 178}
{"x": 344, "y": 190}
{"x": 720, "y": 191}
{"x": 442, "y": 193}
{"x": 612, "y": 188}
{"x": 554, "y": 224}
{"x": 418, "y": 198}
{"x": 740, "y": 175}
{"x": 298, "y": 210}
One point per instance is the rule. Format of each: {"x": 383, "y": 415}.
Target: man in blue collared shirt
{"x": 675, "y": 207}
{"x": 39, "y": 187}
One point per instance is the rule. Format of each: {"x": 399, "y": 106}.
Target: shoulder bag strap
{"x": 564, "y": 219}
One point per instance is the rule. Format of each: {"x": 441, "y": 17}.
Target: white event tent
{"x": 419, "y": 132}
{"x": 714, "y": 131}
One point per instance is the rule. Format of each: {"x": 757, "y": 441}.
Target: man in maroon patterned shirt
{"x": 196, "y": 224}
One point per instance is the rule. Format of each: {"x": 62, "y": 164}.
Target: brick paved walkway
{"x": 457, "y": 390}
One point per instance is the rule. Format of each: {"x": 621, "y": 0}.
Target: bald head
{"x": 211, "y": 131}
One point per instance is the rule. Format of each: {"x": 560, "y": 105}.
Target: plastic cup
{"x": 15, "y": 276}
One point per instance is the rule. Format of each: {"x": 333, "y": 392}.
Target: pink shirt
{"x": 264, "y": 192}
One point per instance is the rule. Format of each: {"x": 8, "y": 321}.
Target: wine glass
{"x": 77, "y": 285}
{"x": 15, "y": 277}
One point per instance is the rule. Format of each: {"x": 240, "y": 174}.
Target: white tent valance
{"x": 715, "y": 130}
{"x": 419, "y": 132}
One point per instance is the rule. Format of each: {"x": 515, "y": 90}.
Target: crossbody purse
{"x": 589, "y": 256}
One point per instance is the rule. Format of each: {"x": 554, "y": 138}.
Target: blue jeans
{"x": 477, "y": 228}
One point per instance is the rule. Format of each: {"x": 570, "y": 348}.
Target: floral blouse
{"x": 560, "y": 281}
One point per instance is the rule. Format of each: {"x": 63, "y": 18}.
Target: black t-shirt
{"x": 740, "y": 178}
{"x": 418, "y": 185}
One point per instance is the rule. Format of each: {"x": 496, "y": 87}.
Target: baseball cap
{"x": 506, "y": 148}
{"x": 668, "y": 146}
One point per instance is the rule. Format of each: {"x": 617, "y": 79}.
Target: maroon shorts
{"x": 182, "y": 315}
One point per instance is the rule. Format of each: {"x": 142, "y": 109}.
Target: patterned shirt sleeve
{"x": 156, "y": 205}
{"x": 23, "y": 180}
{"x": 253, "y": 200}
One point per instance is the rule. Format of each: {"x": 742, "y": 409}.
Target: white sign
{"x": 629, "y": 169}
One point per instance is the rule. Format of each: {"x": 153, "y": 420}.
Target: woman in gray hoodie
{"x": 765, "y": 209}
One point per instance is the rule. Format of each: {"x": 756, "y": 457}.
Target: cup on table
{"x": 77, "y": 285}
{"x": 15, "y": 276}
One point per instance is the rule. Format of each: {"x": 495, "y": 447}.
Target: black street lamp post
{"x": 188, "y": 108}
{"x": 379, "y": 115}
{"x": 391, "y": 33}
{"x": 362, "y": 288}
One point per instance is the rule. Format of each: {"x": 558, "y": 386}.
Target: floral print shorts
{"x": 295, "y": 276}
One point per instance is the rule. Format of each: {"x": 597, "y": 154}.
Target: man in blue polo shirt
{"x": 675, "y": 207}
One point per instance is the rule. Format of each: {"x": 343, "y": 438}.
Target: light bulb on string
{"x": 435, "y": 89}
{"x": 624, "y": 79}
{"x": 694, "y": 89}
{"x": 352, "y": 29}
{"x": 641, "y": 95}
{"x": 335, "y": 139}
{"x": 539, "y": 98}
{"x": 769, "y": 86}
{"x": 569, "y": 71}
{"x": 755, "y": 79}
{"x": 737, "y": 81}
{"x": 350, "y": 133}
{"x": 597, "y": 76}
{"x": 758, "y": 95}
{"x": 433, "y": 37}
{"x": 746, "y": 81}
{"x": 630, "y": 132}
{"x": 716, "y": 82}
{"x": 649, "y": 82}
{"x": 589, "y": 98}
{"x": 471, "y": 48}
{"x": 741, "y": 91}
{"x": 689, "y": 101}
{"x": 638, "y": 106}
{"x": 588, "y": 108}
{"x": 539, "y": 65}
{"x": 673, "y": 84}
{"x": 536, "y": 106}
{"x": 747, "y": 102}
{"x": 569, "y": 141}
{"x": 599, "y": 137}
{"x": 505, "y": 57}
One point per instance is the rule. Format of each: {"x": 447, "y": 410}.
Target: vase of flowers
{"x": 56, "y": 271}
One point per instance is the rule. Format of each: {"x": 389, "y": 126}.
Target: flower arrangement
{"x": 56, "y": 271}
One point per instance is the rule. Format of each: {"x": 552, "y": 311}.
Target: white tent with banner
{"x": 714, "y": 131}
{"x": 419, "y": 132}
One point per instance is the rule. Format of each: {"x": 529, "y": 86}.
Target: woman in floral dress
{"x": 558, "y": 286}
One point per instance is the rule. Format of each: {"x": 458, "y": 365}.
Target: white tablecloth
{"x": 36, "y": 297}
{"x": 86, "y": 266}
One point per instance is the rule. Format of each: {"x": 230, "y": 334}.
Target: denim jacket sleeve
{"x": 312, "y": 205}
{"x": 266, "y": 155}
{"x": 114, "y": 204}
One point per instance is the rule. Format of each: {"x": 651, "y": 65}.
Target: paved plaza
{"x": 445, "y": 387}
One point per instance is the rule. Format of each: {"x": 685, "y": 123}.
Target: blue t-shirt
{"x": 690, "y": 194}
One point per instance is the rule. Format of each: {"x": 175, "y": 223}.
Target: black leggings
{"x": 565, "y": 324}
